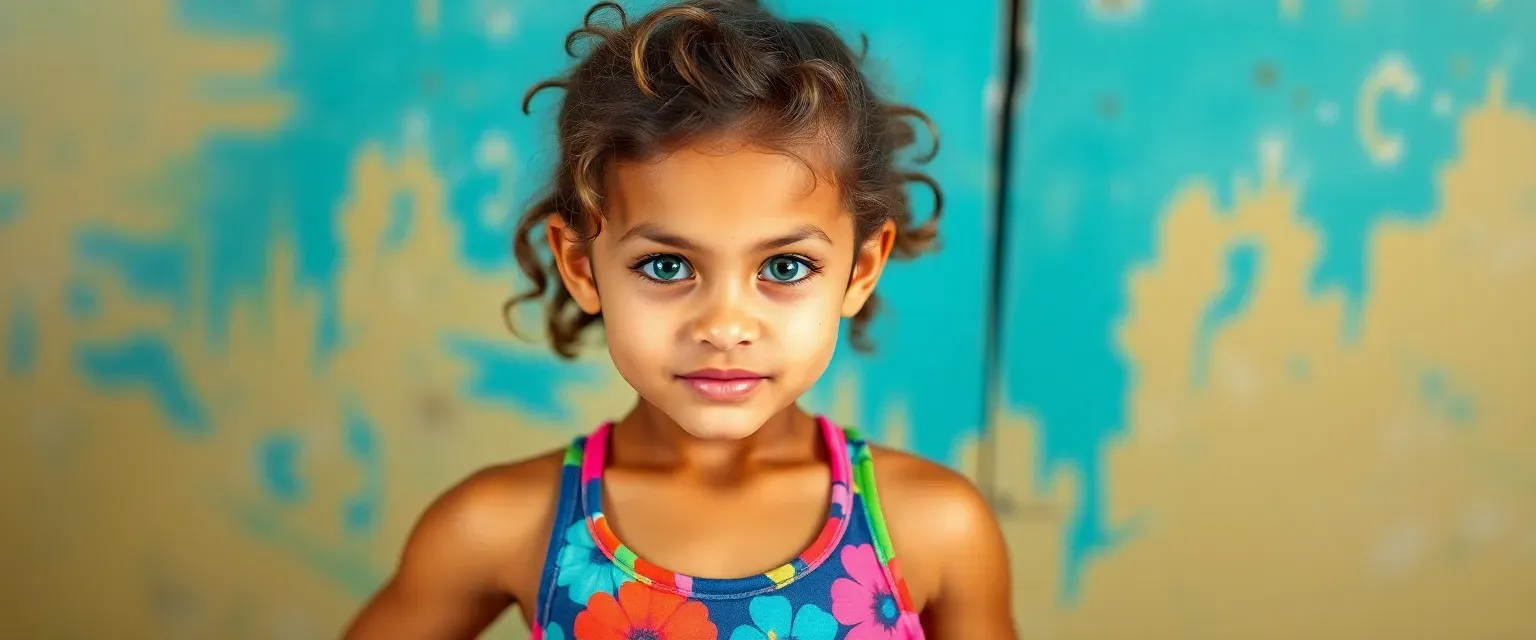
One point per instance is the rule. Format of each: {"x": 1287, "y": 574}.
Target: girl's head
{"x": 727, "y": 190}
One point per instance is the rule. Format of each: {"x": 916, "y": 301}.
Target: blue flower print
{"x": 552, "y": 632}
{"x": 772, "y": 620}
{"x": 584, "y": 568}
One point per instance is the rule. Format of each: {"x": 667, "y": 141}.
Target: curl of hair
{"x": 699, "y": 68}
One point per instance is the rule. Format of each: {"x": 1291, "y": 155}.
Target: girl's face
{"x": 722, "y": 277}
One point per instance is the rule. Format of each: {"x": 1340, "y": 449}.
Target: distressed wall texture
{"x": 1268, "y": 331}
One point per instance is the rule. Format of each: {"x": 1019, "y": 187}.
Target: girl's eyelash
{"x": 637, "y": 267}
{"x": 640, "y": 261}
{"x": 812, "y": 265}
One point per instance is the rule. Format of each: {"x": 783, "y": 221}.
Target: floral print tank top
{"x": 845, "y": 586}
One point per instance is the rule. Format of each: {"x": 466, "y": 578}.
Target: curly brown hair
{"x": 698, "y": 68}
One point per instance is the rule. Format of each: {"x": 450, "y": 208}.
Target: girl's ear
{"x": 575, "y": 265}
{"x": 868, "y": 263}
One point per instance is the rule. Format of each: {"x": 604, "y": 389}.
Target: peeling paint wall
{"x": 1266, "y": 347}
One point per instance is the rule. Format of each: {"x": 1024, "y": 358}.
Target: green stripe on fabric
{"x": 864, "y": 476}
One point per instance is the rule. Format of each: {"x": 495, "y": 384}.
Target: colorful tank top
{"x": 844, "y": 586}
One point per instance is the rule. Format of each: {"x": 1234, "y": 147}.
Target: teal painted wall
{"x": 1262, "y": 329}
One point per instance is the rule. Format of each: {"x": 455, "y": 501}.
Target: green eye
{"x": 785, "y": 270}
{"x": 666, "y": 268}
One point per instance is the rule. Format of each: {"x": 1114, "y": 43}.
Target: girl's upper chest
{"x": 718, "y": 530}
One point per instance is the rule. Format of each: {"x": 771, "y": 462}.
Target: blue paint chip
{"x": 10, "y": 205}
{"x": 361, "y": 440}
{"x": 277, "y": 461}
{"x": 1241, "y": 272}
{"x": 530, "y": 383}
{"x": 360, "y": 512}
{"x": 360, "y": 515}
{"x": 145, "y": 362}
{"x": 150, "y": 268}
{"x": 1461, "y": 411}
{"x": 1445, "y": 400}
{"x": 21, "y": 338}
{"x": 238, "y": 221}
{"x": 82, "y": 301}
{"x": 1432, "y": 386}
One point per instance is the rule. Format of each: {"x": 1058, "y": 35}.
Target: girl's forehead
{"x": 723, "y": 172}
{"x": 706, "y": 188}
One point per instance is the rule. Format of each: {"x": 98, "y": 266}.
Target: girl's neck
{"x": 648, "y": 438}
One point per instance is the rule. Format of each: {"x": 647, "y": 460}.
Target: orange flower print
{"x": 644, "y": 613}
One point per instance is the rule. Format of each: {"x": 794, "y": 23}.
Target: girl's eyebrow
{"x": 803, "y": 232}
{"x": 653, "y": 232}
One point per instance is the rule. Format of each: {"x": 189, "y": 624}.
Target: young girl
{"x": 727, "y": 191}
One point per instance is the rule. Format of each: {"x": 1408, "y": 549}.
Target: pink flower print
{"x": 842, "y": 500}
{"x": 864, "y": 601}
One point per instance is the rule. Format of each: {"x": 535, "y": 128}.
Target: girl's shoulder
{"x": 503, "y": 497}
{"x": 492, "y": 527}
{"x": 908, "y": 478}
{"x": 912, "y": 483}
{"x": 936, "y": 517}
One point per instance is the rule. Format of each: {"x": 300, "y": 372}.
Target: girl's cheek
{"x": 809, "y": 317}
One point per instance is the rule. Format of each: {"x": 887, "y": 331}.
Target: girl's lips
{"x": 723, "y": 385}
{"x": 724, "y": 390}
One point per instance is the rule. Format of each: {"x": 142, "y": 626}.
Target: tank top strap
{"x": 567, "y": 512}
{"x": 863, "y": 465}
